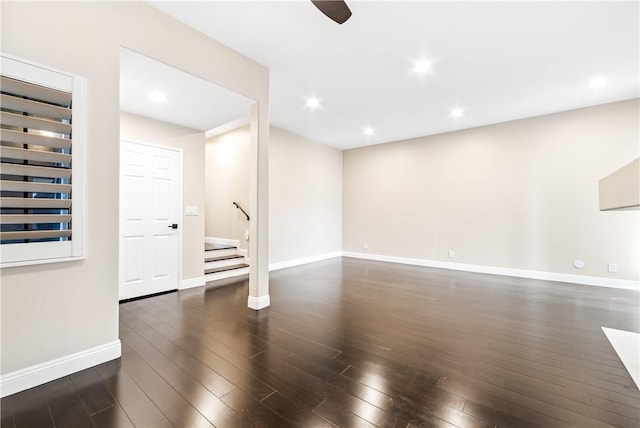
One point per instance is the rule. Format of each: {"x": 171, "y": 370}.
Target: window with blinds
{"x": 39, "y": 205}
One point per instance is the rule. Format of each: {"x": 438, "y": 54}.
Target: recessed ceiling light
{"x": 158, "y": 97}
{"x": 313, "y": 103}
{"x": 368, "y": 131}
{"x": 456, "y": 112}
{"x": 421, "y": 66}
{"x": 597, "y": 82}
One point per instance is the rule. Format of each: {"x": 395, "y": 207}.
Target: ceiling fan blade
{"x": 334, "y": 9}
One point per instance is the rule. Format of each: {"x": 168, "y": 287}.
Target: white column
{"x": 259, "y": 209}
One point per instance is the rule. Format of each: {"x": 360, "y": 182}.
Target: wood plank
{"x": 242, "y": 380}
{"x": 358, "y": 343}
{"x": 208, "y": 378}
{"x": 92, "y": 391}
{"x": 30, "y": 409}
{"x": 176, "y": 409}
{"x": 255, "y": 413}
{"x": 150, "y": 361}
{"x": 133, "y": 400}
{"x": 65, "y": 405}
{"x": 111, "y": 417}
{"x": 294, "y": 410}
{"x": 339, "y": 416}
{"x": 6, "y": 413}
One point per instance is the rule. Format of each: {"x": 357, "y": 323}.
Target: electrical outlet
{"x": 452, "y": 254}
{"x": 613, "y": 267}
{"x": 365, "y": 245}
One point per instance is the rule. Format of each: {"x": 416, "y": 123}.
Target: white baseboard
{"x": 192, "y": 282}
{"x": 305, "y": 260}
{"x": 39, "y": 374}
{"x": 258, "y": 303}
{"x": 222, "y": 241}
{"x": 521, "y": 273}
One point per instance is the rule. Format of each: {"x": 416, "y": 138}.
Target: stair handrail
{"x": 243, "y": 211}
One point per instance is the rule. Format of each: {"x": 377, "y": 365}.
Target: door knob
{"x": 173, "y": 226}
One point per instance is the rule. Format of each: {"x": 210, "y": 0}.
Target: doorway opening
{"x": 167, "y": 109}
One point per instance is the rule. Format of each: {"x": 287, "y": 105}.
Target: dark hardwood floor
{"x": 354, "y": 343}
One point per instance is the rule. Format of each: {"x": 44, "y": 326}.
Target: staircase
{"x": 222, "y": 262}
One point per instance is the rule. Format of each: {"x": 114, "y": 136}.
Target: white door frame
{"x": 179, "y": 202}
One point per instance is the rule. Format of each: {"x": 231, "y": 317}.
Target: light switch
{"x": 191, "y": 210}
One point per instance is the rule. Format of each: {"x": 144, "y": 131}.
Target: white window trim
{"x": 36, "y": 253}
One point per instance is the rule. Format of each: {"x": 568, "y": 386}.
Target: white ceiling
{"x": 499, "y": 61}
{"x": 191, "y": 102}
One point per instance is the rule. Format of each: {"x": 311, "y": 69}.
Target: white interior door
{"x": 150, "y": 209}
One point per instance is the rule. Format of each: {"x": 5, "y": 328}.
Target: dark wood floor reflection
{"x": 353, "y": 343}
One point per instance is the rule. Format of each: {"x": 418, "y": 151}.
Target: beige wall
{"x": 305, "y": 193}
{"x": 227, "y": 180}
{"x": 520, "y": 195}
{"x": 52, "y": 311}
{"x": 141, "y": 129}
{"x": 305, "y": 198}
